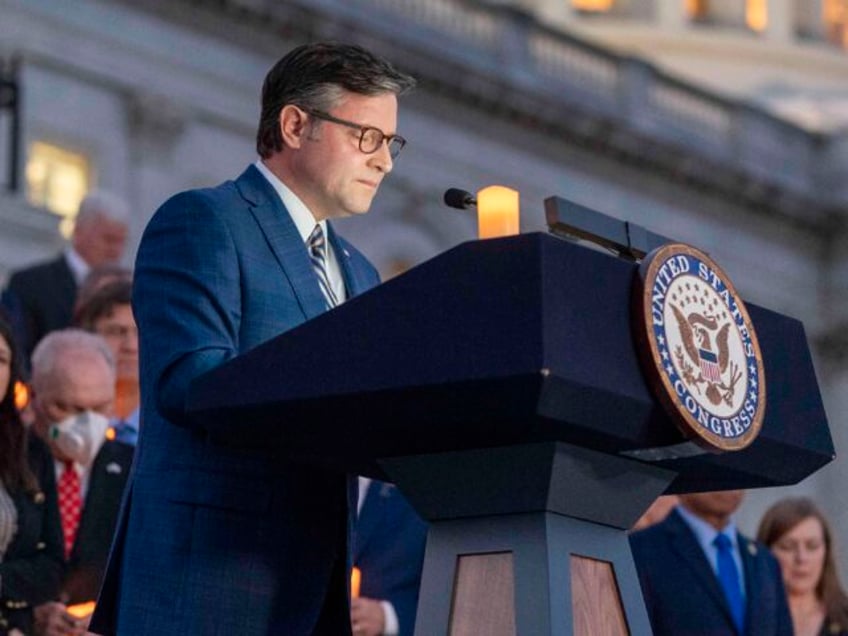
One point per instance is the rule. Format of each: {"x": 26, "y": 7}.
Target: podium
{"x": 498, "y": 386}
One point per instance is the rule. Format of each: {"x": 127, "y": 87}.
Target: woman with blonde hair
{"x": 800, "y": 537}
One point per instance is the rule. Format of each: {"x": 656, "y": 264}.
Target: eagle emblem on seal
{"x": 705, "y": 345}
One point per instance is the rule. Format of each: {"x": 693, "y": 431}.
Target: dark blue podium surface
{"x": 494, "y": 343}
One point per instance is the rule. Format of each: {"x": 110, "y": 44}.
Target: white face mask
{"x": 80, "y": 436}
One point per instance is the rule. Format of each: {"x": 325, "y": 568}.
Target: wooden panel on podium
{"x": 595, "y": 599}
{"x": 483, "y": 596}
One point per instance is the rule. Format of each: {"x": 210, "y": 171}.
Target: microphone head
{"x": 459, "y": 199}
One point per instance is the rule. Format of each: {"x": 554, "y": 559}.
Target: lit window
{"x": 57, "y": 179}
{"x": 835, "y": 16}
{"x": 592, "y": 6}
{"x": 697, "y": 9}
{"x": 752, "y": 14}
{"x": 756, "y": 15}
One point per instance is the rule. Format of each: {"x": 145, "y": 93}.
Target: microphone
{"x": 459, "y": 199}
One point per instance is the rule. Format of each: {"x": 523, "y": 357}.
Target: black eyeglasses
{"x": 370, "y": 138}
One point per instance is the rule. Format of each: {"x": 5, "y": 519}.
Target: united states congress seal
{"x": 698, "y": 348}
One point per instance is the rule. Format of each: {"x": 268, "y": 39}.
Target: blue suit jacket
{"x": 388, "y": 548}
{"x": 683, "y": 595}
{"x": 217, "y": 540}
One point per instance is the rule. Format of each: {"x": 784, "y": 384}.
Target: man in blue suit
{"x": 700, "y": 577}
{"x": 388, "y": 549}
{"x": 218, "y": 540}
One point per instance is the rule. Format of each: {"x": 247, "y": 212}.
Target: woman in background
{"x": 30, "y": 531}
{"x": 800, "y": 537}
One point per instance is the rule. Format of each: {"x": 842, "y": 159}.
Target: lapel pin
{"x": 114, "y": 468}
{"x": 752, "y": 549}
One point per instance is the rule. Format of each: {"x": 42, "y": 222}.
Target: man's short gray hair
{"x": 56, "y": 343}
{"x": 99, "y": 204}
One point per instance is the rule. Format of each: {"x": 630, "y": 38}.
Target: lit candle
{"x": 21, "y": 395}
{"x": 81, "y": 610}
{"x": 497, "y": 212}
{"x": 355, "y": 580}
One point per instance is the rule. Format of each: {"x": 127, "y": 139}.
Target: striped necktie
{"x": 318, "y": 255}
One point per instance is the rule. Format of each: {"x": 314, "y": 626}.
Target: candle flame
{"x": 355, "y": 580}
{"x": 21, "y": 395}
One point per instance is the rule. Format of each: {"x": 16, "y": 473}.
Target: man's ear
{"x": 294, "y": 125}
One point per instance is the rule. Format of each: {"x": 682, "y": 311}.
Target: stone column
{"x": 671, "y": 14}
{"x": 808, "y": 18}
{"x": 781, "y": 20}
{"x": 155, "y": 125}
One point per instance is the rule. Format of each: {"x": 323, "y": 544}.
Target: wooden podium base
{"x": 540, "y": 573}
{"x": 529, "y": 540}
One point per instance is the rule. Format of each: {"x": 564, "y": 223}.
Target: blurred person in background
{"x": 388, "y": 548}
{"x": 801, "y": 538}
{"x": 97, "y": 278}
{"x": 30, "y": 532}
{"x": 108, "y": 313}
{"x": 73, "y": 389}
{"x": 41, "y": 298}
{"x": 701, "y": 577}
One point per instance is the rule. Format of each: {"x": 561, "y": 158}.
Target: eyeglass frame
{"x": 389, "y": 139}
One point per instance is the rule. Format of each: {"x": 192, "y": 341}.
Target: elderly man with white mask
{"x": 73, "y": 382}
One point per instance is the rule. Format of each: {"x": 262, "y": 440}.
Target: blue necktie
{"x": 318, "y": 256}
{"x": 728, "y": 576}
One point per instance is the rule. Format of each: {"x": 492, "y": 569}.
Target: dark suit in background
{"x": 388, "y": 548}
{"x": 39, "y": 299}
{"x": 683, "y": 594}
{"x": 87, "y": 562}
{"x": 106, "y": 482}
{"x": 218, "y": 540}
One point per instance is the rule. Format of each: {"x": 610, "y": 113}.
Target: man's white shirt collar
{"x": 300, "y": 214}
{"x": 79, "y": 268}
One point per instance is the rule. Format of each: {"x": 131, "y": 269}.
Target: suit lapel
{"x": 105, "y": 488}
{"x": 683, "y": 542}
{"x": 354, "y": 281}
{"x": 283, "y": 239}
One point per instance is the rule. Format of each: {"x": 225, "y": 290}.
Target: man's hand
{"x": 52, "y": 619}
{"x": 366, "y": 617}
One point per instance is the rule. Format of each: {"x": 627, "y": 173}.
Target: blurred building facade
{"x": 721, "y": 123}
